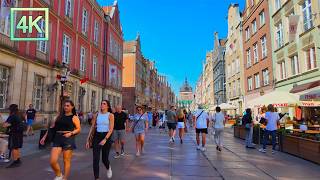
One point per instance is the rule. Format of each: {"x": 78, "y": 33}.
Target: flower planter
{"x": 302, "y": 147}
{"x": 242, "y": 133}
{"x": 236, "y": 131}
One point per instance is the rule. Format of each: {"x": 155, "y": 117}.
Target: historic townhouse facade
{"x": 257, "y": 50}
{"x": 296, "y": 54}
{"x": 208, "y": 82}
{"x": 114, "y": 55}
{"x": 218, "y": 56}
{"x": 29, "y": 69}
{"x": 142, "y": 85}
{"x": 234, "y": 60}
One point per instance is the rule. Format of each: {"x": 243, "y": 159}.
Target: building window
{"x": 68, "y": 9}
{"x": 66, "y": 49}
{"x": 254, "y": 26}
{"x": 257, "y": 80}
{"x": 42, "y": 45}
{"x": 248, "y": 58}
{"x": 94, "y": 66}
{"x": 82, "y": 59}
{"x": 5, "y": 18}
{"x": 282, "y": 68}
{"x": 311, "y": 58}
{"x": 262, "y": 18}
{"x": 37, "y": 92}
{"x": 277, "y": 4}
{"x": 4, "y": 80}
{"x": 247, "y": 34}
{"x": 294, "y": 65}
{"x": 255, "y": 53}
{"x": 250, "y": 84}
{"x": 279, "y": 35}
{"x": 265, "y": 74}
{"x": 93, "y": 101}
{"x": 96, "y": 32}
{"x": 307, "y": 14}
{"x": 264, "y": 47}
{"x": 84, "y": 26}
{"x": 237, "y": 65}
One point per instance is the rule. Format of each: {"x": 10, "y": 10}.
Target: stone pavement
{"x": 171, "y": 162}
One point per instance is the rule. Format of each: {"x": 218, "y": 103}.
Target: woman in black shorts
{"x": 15, "y": 130}
{"x": 66, "y": 126}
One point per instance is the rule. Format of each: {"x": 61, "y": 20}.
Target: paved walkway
{"x": 172, "y": 161}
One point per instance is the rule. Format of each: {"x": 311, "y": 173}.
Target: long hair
{"x": 109, "y": 105}
{"x": 180, "y": 113}
{"x": 74, "y": 111}
{"x": 270, "y": 108}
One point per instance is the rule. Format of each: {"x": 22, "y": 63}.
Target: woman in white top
{"x": 219, "y": 123}
{"x": 100, "y": 137}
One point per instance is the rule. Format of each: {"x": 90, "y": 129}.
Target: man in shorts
{"x": 31, "y": 117}
{"x": 120, "y": 125}
{"x": 171, "y": 117}
{"x": 201, "y": 123}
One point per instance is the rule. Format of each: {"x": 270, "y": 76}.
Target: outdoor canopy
{"x": 226, "y": 106}
{"x": 277, "y": 98}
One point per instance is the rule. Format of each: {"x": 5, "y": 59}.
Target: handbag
{"x": 135, "y": 124}
{"x": 92, "y": 133}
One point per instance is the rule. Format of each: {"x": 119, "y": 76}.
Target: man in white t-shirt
{"x": 200, "y": 123}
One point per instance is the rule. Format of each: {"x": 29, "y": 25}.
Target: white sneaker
{"x": 203, "y": 149}
{"x": 170, "y": 141}
{"x": 198, "y": 147}
{"x": 117, "y": 156}
{"x": 123, "y": 153}
{"x": 273, "y": 151}
{"x": 5, "y": 160}
{"x": 59, "y": 177}
{"x": 262, "y": 150}
{"x": 109, "y": 172}
{"x": 138, "y": 154}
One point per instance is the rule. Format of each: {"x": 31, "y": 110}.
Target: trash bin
{"x": 42, "y": 133}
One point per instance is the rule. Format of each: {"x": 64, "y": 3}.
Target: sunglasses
{"x": 139, "y": 109}
{"x": 67, "y": 105}
{"x": 104, "y": 103}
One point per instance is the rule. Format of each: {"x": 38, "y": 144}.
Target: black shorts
{"x": 204, "y": 130}
{"x": 172, "y": 126}
{"x": 15, "y": 141}
{"x": 63, "y": 142}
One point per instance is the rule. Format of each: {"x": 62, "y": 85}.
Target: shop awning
{"x": 277, "y": 98}
{"x": 303, "y": 87}
{"x": 226, "y": 106}
{"x": 311, "y": 96}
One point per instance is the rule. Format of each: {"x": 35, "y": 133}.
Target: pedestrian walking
{"x": 66, "y": 127}
{"x": 171, "y": 118}
{"x": 155, "y": 118}
{"x": 139, "y": 128}
{"x": 121, "y": 122}
{"x": 247, "y": 121}
{"x": 99, "y": 138}
{"x": 150, "y": 117}
{"x": 30, "y": 117}
{"x": 201, "y": 123}
{"x": 181, "y": 124}
{"x": 90, "y": 117}
{"x": 219, "y": 123}
{"x": 272, "y": 121}
{"x": 15, "y": 129}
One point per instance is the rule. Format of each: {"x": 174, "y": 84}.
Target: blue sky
{"x": 175, "y": 33}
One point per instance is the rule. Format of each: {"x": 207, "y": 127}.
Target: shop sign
{"x": 310, "y": 104}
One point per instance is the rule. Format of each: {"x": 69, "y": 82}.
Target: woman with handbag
{"x": 66, "y": 126}
{"x": 140, "y": 124}
{"x": 99, "y": 138}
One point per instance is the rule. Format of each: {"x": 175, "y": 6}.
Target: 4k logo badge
{"x": 27, "y": 24}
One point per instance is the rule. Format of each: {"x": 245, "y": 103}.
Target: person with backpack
{"x": 247, "y": 122}
{"x": 15, "y": 129}
{"x": 219, "y": 123}
{"x": 139, "y": 128}
{"x": 201, "y": 123}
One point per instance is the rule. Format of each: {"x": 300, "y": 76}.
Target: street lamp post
{"x": 64, "y": 73}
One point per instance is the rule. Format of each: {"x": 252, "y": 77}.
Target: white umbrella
{"x": 226, "y": 106}
{"x": 277, "y": 98}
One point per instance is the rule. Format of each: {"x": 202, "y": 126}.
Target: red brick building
{"x": 79, "y": 35}
{"x": 257, "y": 54}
